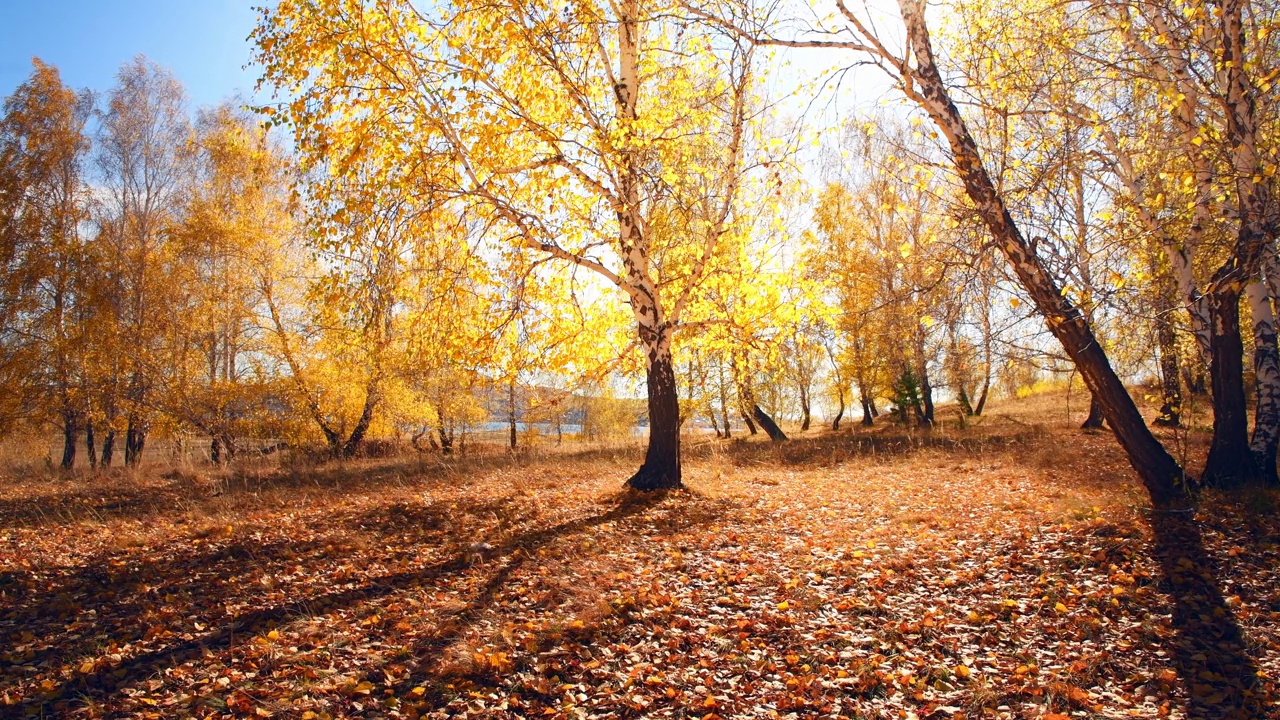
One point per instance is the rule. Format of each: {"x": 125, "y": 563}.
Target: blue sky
{"x": 202, "y": 41}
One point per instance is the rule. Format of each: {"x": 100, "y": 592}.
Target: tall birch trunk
{"x": 1266, "y": 366}
{"x": 1229, "y": 461}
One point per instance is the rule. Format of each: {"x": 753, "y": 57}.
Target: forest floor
{"x": 1008, "y": 569}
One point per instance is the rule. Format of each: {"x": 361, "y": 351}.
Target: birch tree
{"x": 571, "y": 125}
{"x": 43, "y": 205}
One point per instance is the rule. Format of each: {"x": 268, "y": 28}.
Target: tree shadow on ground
{"x": 690, "y": 511}
{"x": 1208, "y": 647}
{"x": 104, "y": 682}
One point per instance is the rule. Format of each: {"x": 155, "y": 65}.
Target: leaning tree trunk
{"x": 982, "y": 397}
{"x": 962, "y": 398}
{"x": 661, "y": 468}
{"x": 775, "y": 433}
{"x": 868, "y": 408}
{"x": 70, "y": 429}
{"x": 835, "y": 424}
{"x": 1266, "y": 365}
{"x": 1230, "y": 460}
{"x": 1160, "y": 473}
{"x": 757, "y": 413}
{"x": 1095, "y": 419}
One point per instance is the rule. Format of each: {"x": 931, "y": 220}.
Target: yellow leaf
{"x": 784, "y": 605}
{"x": 1060, "y": 608}
{"x": 961, "y": 671}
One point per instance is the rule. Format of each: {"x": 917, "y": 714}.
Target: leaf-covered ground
{"x": 1008, "y": 572}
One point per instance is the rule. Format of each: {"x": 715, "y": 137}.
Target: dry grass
{"x": 839, "y": 573}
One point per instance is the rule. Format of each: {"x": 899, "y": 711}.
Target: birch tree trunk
{"x": 90, "y": 446}
{"x": 868, "y": 406}
{"x": 135, "y": 440}
{"x": 1160, "y": 473}
{"x": 108, "y": 448}
{"x": 986, "y": 357}
{"x": 1095, "y": 418}
{"x": 511, "y": 413}
{"x": 751, "y": 407}
{"x": 724, "y": 402}
{"x": 70, "y": 430}
{"x": 371, "y": 398}
{"x": 661, "y": 468}
{"x": 1266, "y": 365}
{"x": 1167, "y": 341}
{"x": 1230, "y": 461}
{"x": 926, "y": 397}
